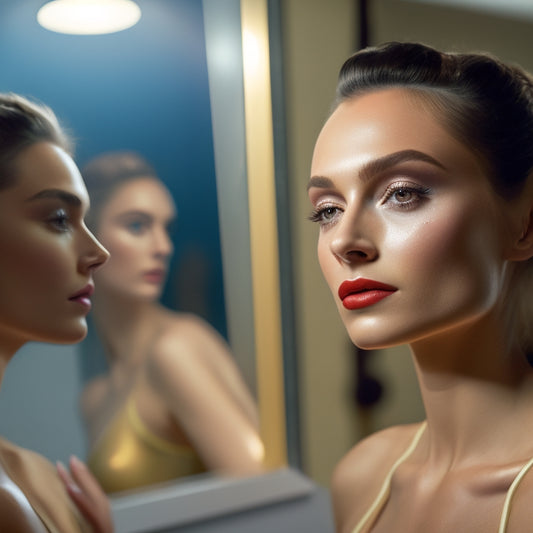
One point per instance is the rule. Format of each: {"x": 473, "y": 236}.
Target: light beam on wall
{"x": 511, "y": 8}
{"x": 88, "y": 17}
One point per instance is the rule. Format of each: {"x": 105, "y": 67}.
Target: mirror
{"x": 175, "y": 89}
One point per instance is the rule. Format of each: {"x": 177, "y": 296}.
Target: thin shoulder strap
{"x": 381, "y": 498}
{"x": 506, "y": 511}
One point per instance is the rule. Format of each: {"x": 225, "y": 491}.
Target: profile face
{"x": 47, "y": 254}
{"x": 412, "y": 238}
{"x": 134, "y": 227}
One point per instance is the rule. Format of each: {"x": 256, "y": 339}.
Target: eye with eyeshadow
{"x": 404, "y": 195}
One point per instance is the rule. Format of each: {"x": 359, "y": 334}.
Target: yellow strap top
{"x": 372, "y": 513}
{"x": 129, "y": 455}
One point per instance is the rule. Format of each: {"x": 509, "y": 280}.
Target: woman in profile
{"x": 47, "y": 261}
{"x": 172, "y": 403}
{"x": 422, "y": 187}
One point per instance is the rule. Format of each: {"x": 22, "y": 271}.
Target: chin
{"x": 365, "y": 343}
{"x": 150, "y": 294}
{"x": 71, "y": 335}
{"x": 373, "y": 334}
{"x": 148, "y": 298}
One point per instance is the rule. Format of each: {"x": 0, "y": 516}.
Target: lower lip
{"x": 154, "y": 278}
{"x": 364, "y": 299}
{"x": 83, "y": 301}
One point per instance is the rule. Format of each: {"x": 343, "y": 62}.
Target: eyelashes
{"x": 405, "y": 195}
{"x": 60, "y": 220}
{"x": 323, "y": 215}
{"x": 400, "y": 196}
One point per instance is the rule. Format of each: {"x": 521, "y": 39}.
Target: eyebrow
{"x": 141, "y": 213}
{"x": 377, "y": 166}
{"x": 134, "y": 213}
{"x": 64, "y": 196}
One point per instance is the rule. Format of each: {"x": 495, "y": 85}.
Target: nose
{"x": 162, "y": 243}
{"x": 353, "y": 238}
{"x": 94, "y": 254}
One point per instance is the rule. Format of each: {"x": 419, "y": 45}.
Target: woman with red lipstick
{"x": 172, "y": 402}
{"x": 422, "y": 187}
{"x": 47, "y": 260}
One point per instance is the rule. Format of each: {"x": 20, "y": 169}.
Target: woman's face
{"x": 134, "y": 226}
{"x": 47, "y": 254}
{"x": 412, "y": 238}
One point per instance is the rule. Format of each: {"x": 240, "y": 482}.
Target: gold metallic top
{"x": 129, "y": 455}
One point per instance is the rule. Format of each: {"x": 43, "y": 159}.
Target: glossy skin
{"x": 434, "y": 230}
{"x": 165, "y": 360}
{"x": 46, "y": 268}
{"x": 48, "y": 255}
{"x": 400, "y": 201}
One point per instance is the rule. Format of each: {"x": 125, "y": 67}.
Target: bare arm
{"x": 218, "y": 357}
{"x": 205, "y": 405}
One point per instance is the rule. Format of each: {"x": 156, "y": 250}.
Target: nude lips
{"x": 83, "y": 297}
{"x": 157, "y": 276}
{"x": 361, "y": 292}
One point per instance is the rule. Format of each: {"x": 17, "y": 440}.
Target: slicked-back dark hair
{"x": 483, "y": 102}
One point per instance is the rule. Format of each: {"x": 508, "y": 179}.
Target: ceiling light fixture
{"x": 88, "y": 17}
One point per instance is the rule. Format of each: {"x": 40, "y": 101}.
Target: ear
{"x": 522, "y": 249}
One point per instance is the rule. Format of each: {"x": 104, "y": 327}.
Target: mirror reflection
{"x": 144, "y": 90}
{"x": 172, "y": 402}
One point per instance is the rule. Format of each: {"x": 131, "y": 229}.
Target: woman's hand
{"x": 87, "y": 495}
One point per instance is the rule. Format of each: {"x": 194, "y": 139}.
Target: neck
{"x": 8, "y": 348}
{"x": 477, "y": 391}
{"x": 124, "y": 326}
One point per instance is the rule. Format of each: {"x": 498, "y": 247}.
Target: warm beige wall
{"x": 318, "y": 35}
{"x": 509, "y": 38}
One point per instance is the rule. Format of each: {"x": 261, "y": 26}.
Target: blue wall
{"x": 144, "y": 89}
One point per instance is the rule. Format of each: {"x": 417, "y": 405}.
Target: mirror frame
{"x": 241, "y": 102}
{"x": 238, "y": 61}
{"x": 263, "y": 229}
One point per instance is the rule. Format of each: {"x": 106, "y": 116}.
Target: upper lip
{"x": 159, "y": 271}
{"x": 353, "y": 286}
{"x": 87, "y": 291}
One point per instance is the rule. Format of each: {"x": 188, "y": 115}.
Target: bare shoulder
{"x": 358, "y": 476}
{"x": 186, "y": 328}
{"x": 30, "y": 478}
{"x": 371, "y": 453}
{"x": 520, "y": 517}
{"x": 190, "y": 355}
{"x": 180, "y": 335}
{"x": 177, "y": 350}
{"x": 184, "y": 336}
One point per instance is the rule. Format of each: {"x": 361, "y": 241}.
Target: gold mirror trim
{"x": 263, "y": 229}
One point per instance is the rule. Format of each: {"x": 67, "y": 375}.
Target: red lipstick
{"x": 83, "y": 297}
{"x": 359, "y": 293}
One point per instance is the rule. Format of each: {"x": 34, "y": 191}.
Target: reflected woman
{"x": 422, "y": 187}
{"x": 173, "y": 402}
{"x": 47, "y": 261}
